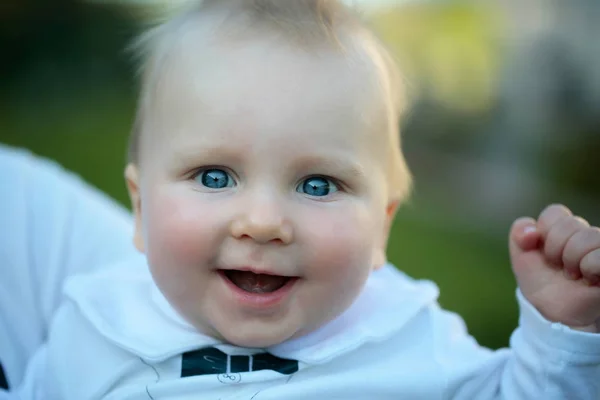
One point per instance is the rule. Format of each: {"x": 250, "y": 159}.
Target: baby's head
{"x": 265, "y": 165}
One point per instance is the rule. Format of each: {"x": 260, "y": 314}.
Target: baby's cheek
{"x": 343, "y": 246}
{"x": 338, "y": 263}
{"x": 178, "y": 232}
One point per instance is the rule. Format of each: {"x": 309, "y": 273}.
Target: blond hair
{"x": 306, "y": 23}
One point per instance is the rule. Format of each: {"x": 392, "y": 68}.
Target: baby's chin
{"x": 247, "y": 335}
{"x": 259, "y": 340}
{"x": 262, "y": 335}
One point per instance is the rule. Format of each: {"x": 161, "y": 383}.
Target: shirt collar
{"x": 136, "y": 316}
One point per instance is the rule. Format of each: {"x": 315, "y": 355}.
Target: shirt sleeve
{"x": 546, "y": 361}
{"x": 52, "y": 225}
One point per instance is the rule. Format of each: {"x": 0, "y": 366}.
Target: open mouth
{"x": 256, "y": 283}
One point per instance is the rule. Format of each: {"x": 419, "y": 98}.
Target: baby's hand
{"x": 556, "y": 260}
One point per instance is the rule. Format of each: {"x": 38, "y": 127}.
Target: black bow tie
{"x": 210, "y": 360}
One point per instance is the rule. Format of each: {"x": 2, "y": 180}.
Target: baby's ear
{"x": 380, "y": 257}
{"x": 132, "y": 179}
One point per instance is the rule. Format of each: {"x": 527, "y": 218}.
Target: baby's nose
{"x": 263, "y": 223}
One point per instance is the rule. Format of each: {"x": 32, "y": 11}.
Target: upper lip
{"x": 256, "y": 270}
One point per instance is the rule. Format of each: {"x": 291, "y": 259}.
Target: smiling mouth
{"x": 256, "y": 283}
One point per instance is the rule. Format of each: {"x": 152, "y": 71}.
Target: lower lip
{"x": 260, "y": 300}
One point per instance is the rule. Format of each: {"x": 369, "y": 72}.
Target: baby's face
{"x": 263, "y": 189}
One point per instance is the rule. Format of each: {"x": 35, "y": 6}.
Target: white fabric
{"x": 51, "y": 225}
{"x": 117, "y": 338}
{"x": 4, "y": 395}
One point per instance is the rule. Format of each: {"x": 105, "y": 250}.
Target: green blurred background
{"x": 503, "y": 121}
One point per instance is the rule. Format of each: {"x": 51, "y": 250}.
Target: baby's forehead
{"x": 198, "y": 53}
{"x": 209, "y": 71}
{"x": 266, "y": 90}
{"x": 197, "y": 40}
{"x": 268, "y": 80}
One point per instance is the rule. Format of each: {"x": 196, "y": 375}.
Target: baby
{"x": 265, "y": 172}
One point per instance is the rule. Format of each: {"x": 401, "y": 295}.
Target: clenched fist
{"x": 556, "y": 261}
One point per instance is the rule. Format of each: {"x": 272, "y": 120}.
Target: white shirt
{"x": 117, "y": 338}
{"x": 51, "y": 225}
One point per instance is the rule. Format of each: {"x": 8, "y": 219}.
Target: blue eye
{"x": 215, "y": 179}
{"x": 317, "y": 187}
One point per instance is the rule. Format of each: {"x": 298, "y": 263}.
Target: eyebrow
{"x": 194, "y": 154}
{"x": 332, "y": 164}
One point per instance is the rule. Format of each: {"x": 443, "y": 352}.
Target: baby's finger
{"x": 524, "y": 236}
{"x": 580, "y": 244}
{"x": 558, "y": 236}
{"x": 551, "y": 215}
{"x": 590, "y": 267}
